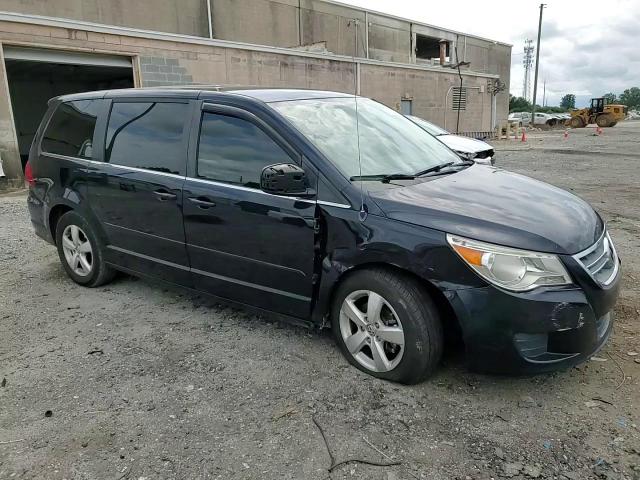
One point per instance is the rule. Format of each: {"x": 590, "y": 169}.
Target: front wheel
{"x": 577, "y": 122}
{"x": 387, "y": 326}
{"x": 80, "y": 251}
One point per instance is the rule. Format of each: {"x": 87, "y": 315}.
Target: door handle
{"x": 163, "y": 195}
{"x": 202, "y": 202}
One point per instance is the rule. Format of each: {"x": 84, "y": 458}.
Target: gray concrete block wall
{"x": 428, "y": 90}
{"x": 157, "y": 71}
{"x": 188, "y": 17}
{"x": 263, "y": 22}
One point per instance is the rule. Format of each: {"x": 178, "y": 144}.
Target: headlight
{"x": 510, "y": 268}
{"x": 466, "y": 155}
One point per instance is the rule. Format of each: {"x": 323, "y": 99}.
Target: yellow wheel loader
{"x": 599, "y": 113}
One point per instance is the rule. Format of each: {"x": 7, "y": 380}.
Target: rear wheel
{"x": 80, "y": 251}
{"x": 605, "y": 121}
{"x": 387, "y": 326}
{"x": 577, "y": 122}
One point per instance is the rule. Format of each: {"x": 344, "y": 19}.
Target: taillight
{"x": 28, "y": 175}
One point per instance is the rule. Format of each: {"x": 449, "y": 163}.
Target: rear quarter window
{"x": 71, "y": 129}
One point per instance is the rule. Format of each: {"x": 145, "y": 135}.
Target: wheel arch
{"x": 59, "y": 209}
{"x": 55, "y": 214}
{"x": 450, "y": 321}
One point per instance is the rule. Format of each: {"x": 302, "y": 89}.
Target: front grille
{"x": 600, "y": 260}
{"x": 485, "y": 154}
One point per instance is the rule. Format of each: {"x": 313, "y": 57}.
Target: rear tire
{"x": 81, "y": 251}
{"x": 604, "y": 121}
{"x": 397, "y": 333}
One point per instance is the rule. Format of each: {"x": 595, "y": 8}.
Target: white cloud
{"x": 589, "y": 47}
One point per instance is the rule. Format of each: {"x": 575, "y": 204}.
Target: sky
{"x": 589, "y": 47}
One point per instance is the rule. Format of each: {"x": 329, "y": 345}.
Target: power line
{"x": 527, "y": 62}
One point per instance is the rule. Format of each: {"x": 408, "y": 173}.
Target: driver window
{"x": 233, "y": 150}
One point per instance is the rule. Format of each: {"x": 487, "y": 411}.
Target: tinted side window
{"x": 148, "y": 135}
{"x": 233, "y": 150}
{"x": 71, "y": 128}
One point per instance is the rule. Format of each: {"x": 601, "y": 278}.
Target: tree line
{"x": 630, "y": 97}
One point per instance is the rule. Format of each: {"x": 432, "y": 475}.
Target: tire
{"x": 604, "y": 121}
{"x": 577, "y": 122}
{"x": 405, "y": 306}
{"x": 73, "y": 234}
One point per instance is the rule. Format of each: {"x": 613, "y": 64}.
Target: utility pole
{"x": 535, "y": 78}
{"x": 544, "y": 93}
{"x": 527, "y": 63}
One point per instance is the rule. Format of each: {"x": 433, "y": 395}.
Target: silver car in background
{"x": 468, "y": 148}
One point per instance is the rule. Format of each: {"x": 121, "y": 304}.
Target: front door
{"x": 136, "y": 192}
{"x": 244, "y": 244}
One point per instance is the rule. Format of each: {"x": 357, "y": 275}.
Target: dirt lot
{"x": 136, "y": 381}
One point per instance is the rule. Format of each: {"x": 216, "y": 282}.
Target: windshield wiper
{"x": 384, "y": 178}
{"x": 438, "y": 168}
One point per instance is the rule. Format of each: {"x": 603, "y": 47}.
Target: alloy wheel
{"x": 77, "y": 250}
{"x": 371, "y": 331}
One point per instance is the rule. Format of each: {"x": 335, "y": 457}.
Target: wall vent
{"x": 459, "y": 98}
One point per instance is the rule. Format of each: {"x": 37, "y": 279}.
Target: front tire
{"x": 80, "y": 251}
{"x": 577, "y": 122}
{"x": 387, "y": 326}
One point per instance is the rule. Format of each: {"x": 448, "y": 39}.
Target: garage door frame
{"x": 12, "y": 165}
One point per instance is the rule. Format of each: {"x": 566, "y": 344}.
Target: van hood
{"x": 493, "y": 205}
{"x": 464, "y": 144}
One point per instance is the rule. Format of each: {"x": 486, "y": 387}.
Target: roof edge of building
{"x": 415, "y": 22}
{"x": 177, "y": 37}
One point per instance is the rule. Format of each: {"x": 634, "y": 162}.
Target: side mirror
{"x": 284, "y": 179}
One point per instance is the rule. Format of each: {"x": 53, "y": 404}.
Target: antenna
{"x": 363, "y": 210}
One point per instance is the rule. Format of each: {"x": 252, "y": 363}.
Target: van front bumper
{"x": 542, "y": 330}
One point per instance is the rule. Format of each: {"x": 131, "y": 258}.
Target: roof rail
{"x": 220, "y": 88}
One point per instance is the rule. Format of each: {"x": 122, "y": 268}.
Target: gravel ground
{"x": 134, "y": 381}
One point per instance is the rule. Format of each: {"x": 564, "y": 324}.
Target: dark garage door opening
{"x": 35, "y": 76}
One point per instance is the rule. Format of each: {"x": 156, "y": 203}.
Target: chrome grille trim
{"x": 594, "y": 267}
{"x": 604, "y": 252}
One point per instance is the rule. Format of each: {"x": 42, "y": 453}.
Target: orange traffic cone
{"x": 524, "y": 135}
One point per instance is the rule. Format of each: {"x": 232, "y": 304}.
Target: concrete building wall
{"x": 262, "y": 22}
{"x": 188, "y": 17}
{"x": 427, "y": 91}
{"x": 389, "y": 39}
{"x": 335, "y": 25}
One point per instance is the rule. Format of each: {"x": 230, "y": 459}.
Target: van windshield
{"x": 390, "y": 144}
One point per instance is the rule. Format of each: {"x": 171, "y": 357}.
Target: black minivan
{"x": 327, "y": 209}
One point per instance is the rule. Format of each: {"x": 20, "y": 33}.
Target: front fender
{"x": 348, "y": 244}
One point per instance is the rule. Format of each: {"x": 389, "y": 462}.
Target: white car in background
{"x": 467, "y": 148}
{"x": 523, "y": 118}
{"x": 548, "y": 119}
